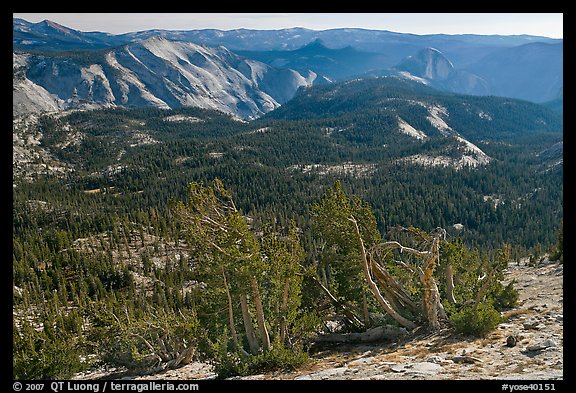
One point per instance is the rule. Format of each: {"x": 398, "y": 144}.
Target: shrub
{"x": 36, "y": 356}
{"x": 278, "y": 358}
{"x": 505, "y": 297}
{"x": 476, "y": 320}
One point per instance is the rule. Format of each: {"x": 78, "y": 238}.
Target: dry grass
{"x": 513, "y": 313}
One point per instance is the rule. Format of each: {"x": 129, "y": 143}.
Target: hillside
{"x": 443, "y": 159}
{"x": 538, "y": 355}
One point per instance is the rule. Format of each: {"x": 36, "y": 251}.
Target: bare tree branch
{"x": 374, "y": 288}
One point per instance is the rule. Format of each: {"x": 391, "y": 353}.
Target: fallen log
{"x": 379, "y": 333}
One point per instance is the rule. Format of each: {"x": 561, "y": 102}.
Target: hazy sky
{"x": 541, "y": 24}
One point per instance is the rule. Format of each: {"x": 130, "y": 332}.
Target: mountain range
{"x": 248, "y": 73}
{"x": 155, "y": 72}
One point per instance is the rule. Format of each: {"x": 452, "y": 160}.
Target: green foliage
{"x": 134, "y": 339}
{"x": 479, "y": 292}
{"x": 233, "y": 263}
{"x": 279, "y": 358}
{"x": 45, "y": 354}
{"x": 339, "y": 257}
{"x": 505, "y": 297}
{"x": 476, "y": 320}
{"x": 558, "y": 253}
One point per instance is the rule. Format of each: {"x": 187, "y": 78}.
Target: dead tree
{"x": 391, "y": 295}
{"x": 432, "y": 305}
{"x": 374, "y": 288}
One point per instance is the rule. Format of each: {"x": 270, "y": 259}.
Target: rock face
{"x": 153, "y": 72}
{"x": 430, "y": 66}
{"x": 429, "y": 63}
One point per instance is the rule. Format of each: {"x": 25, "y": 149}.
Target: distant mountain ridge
{"x": 333, "y": 64}
{"x": 274, "y": 65}
{"x": 154, "y": 72}
{"x": 378, "y": 41}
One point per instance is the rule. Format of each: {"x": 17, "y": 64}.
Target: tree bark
{"x": 431, "y": 296}
{"x": 432, "y": 307}
{"x": 450, "y": 284}
{"x": 260, "y": 314}
{"x": 248, "y": 326}
{"x": 230, "y": 312}
{"x": 396, "y": 291}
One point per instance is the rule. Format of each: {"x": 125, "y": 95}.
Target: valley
{"x": 125, "y": 149}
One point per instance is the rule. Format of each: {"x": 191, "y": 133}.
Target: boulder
{"x": 541, "y": 345}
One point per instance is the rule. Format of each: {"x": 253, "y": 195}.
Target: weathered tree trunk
{"x": 186, "y": 355}
{"x": 431, "y": 305}
{"x": 450, "y": 284}
{"x": 431, "y": 296}
{"x": 374, "y": 288}
{"x": 248, "y": 326}
{"x": 365, "y": 310}
{"x": 230, "y": 312}
{"x": 284, "y": 310}
{"x": 395, "y": 290}
{"x": 260, "y": 314}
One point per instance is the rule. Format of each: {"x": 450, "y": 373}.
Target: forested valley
{"x": 172, "y": 235}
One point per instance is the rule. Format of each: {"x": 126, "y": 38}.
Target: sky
{"x": 540, "y": 24}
